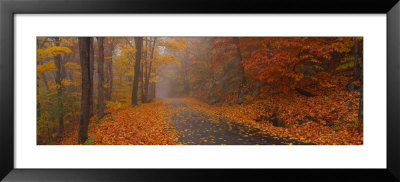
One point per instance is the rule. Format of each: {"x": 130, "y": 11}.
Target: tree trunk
{"x": 91, "y": 69}
{"x": 84, "y": 54}
{"x": 152, "y": 92}
{"x": 143, "y": 72}
{"x": 146, "y": 84}
{"x": 355, "y": 67}
{"x": 361, "y": 104}
{"x": 60, "y": 113}
{"x": 360, "y": 108}
{"x": 37, "y": 97}
{"x": 141, "y": 83}
{"x": 110, "y": 80}
{"x": 110, "y": 50}
{"x": 45, "y": 81}
{"x": 100, "y": 71}
{"x": 242, "y": 73}
{"x": 37, "y": 85}
{"x": 138, "y": 45}
{"x": 153, "y": 88}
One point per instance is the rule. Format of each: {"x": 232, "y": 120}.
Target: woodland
{"x": 199, "y": 91}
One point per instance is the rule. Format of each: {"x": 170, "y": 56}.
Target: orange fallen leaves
{"x": 141, "y": 125}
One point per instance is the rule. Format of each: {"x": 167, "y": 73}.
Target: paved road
{"x": 196, "y": 128}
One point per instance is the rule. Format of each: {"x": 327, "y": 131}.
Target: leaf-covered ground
{"x": 189, "y": 121}
{"x": 142, "y": 125}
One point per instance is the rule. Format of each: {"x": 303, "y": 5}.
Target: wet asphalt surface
{"x": 197, "y": 128}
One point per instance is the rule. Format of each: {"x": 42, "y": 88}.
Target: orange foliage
{"x": 287, "y": 63}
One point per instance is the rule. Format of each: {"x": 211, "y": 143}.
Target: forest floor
{"x": 188, "y": 121}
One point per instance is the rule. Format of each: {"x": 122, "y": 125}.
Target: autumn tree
{"x": 53, "y": 101}
{"x": 138, "y": 46}
{"x": 38, "y": 45}
{"x": 358, "y": 72}
{"x": 100, "y": 71}
{"x": 149, "y": 70}
{"x": 91, "y": 108}
{"x": 143, "y": 67}
{"x": 293, "y": 63}
{"x": 202, "y": 78}
{"x": 227, "y": 65}
{"x": 110, "y": 46}
{"x": 242, "y": 73}
{"x": 60, "y": 114}
{"x": 84, "y": 54}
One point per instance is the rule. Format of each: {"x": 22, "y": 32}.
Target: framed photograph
{"x": 155, "y": 91}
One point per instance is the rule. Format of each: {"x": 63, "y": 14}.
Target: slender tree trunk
{"x": 355, "y": 69}
{"x": 147, "y": 78}
{"x": 151, "y": 91}
{"x": 110, "y": 79}
{"x": 110, "y": 50}
{"x": 37, "y": 85}
{"x": 43, "y": 75}
{"x": 154, "y": 85}
{"x": 361, "y": 104}
{"x": 100, "y": 71}
{"x": 146, "y": 83}
{"x": 60, "y": 113}
{"x": 64, "y": 60}
{"x": 144, "y": 92}
{"x": 84, "y": 54}
{"x": 141, "y": 84}
{"x": 153, "y": 88}
{"x": 37, "y": 98}
{"x": 143, "y": 73}
{"x": 243, "y": 79}
{"x": 91, "y": 52}
{"x": 138, "y": 45}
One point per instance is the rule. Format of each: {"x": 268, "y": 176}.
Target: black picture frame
{"x": 9, "y": 8}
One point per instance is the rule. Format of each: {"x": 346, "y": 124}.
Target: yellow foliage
{"x": 49, "y": 66}
{"x": 166, "y": 58}
{"x": 73, "y": 66}
{"x": 66, "y": 82}
{"x": 68, "y": 42}
{"x": 129, "y": 51}
{"x": 177, "y": 43}
{"x": 51, "y": 52}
